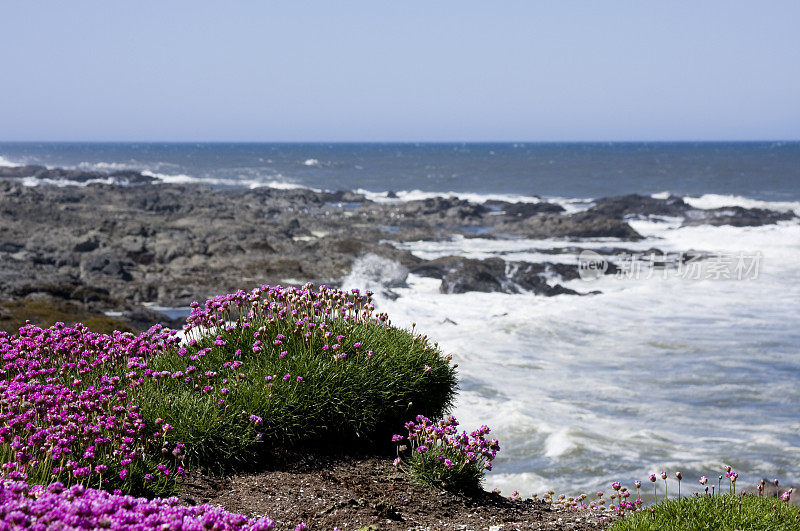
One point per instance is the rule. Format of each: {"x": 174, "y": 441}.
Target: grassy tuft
{"x": 720, "y": 513}
{"x": 278, "y": 368}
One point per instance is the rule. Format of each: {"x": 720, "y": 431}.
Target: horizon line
{"x": 695, "y": 141}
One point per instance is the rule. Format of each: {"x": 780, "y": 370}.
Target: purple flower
{"x": 82, "y": 508}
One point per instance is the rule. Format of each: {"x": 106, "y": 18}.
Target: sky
{"x": 399, "y": 71}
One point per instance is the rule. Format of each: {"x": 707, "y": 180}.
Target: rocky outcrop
{"x": 640, "y": 206}
{"x": 736, "y": 216}
{"x": 77, "y": 176}
{"x": 461, "y": 275}
{"x": 113, "y": 247}
{"x": 580, "y": 225}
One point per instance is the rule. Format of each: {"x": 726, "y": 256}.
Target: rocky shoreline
{"x": 120, "y": 243}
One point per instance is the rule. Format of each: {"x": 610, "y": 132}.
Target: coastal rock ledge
{"x": 122, "y": 242}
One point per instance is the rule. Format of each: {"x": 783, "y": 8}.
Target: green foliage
{"x": 718, "y": 513}
{"x": 273, "y": 371}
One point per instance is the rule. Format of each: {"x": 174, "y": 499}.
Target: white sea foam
{"x": 582, "y": 391}
{"x": 241, "y": 181}
{"x": 717, "y": 201}
{"x": 311, "y": 162}
{"x": 6, "y": 162}
{"x": 523, "y": 249}
{"x": 417, "y": 195}
{"x": 707, "y": 201}
{"x": 180, "y": 178}
{"x": 277, "y": 181}
{"x": 285, "y": 185}
{"x": 33, "y": 181}
{"x": 107, "y": 166}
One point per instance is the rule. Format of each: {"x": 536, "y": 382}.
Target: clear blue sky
{"x": 399, "y": 71}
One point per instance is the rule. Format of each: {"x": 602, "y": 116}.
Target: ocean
{"x": 656, "y": 372}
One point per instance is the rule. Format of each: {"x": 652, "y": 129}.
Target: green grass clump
{"x": 279, "y": 368}
{"x": 719, "y": 513}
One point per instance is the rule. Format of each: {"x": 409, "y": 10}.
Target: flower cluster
{"x": 120, "y": 412}
{"x": 67, "y": 408}
{"x": 437, "y": 454}
{"x": 308, "y": 308}
{"x": 263, "y": 360}
{"x": 77, "y": 508}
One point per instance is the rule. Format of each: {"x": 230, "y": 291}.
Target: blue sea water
{"x": 652, "y": 374}
{"x": 759, "y": 170}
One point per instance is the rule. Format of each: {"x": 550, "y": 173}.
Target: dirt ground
{"x": 368, "y": 493}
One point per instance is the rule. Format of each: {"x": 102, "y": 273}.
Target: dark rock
{"x": 635, "y": 205}
{"x": 10, "y": 247}
{"x": 464, "y": 274}
{"x": 736, "y": 216}
{"x": 525, "y": 210}
{"x": 87, "y": 245}
{"x": 639, "y": 205}
{"x": 105, "y": 265}
{"x": 461, "y": 275}
{"x": 442, "y": 208}
{"x": 580, "y": 225}
{"x": 345, "y": 196}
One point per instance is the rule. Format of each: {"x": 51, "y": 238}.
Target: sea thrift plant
{"x": 275, "y": 365}
{"x": 68, "y": 413}
{"x": 280, "y": 366}
{"x": 79, "y": 508}
{"x": 437, "y": 454}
